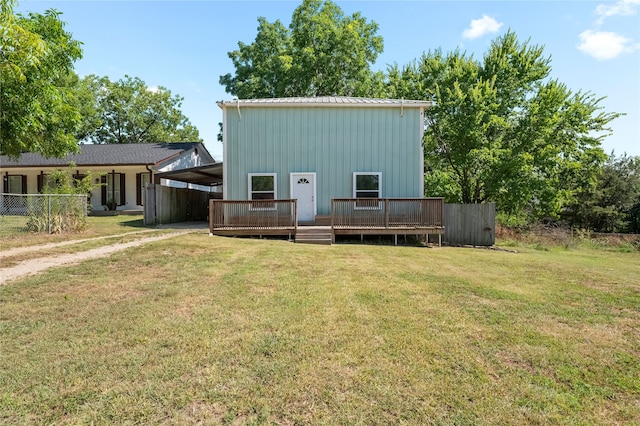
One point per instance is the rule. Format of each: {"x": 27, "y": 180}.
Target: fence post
{"x": 211, "y": 216}
{"x": 49, "y": 214}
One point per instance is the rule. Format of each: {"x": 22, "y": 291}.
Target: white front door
{"x": 303, "y": 189}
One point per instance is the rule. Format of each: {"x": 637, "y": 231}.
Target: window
{"x": 367, "y": 185}
{"x": 15, "y": 184}
{"x": 46, "y": 183}
{"x": 262, "y": 186}
{"x": 142, "y": 179}
{"x": 113, "y": 190}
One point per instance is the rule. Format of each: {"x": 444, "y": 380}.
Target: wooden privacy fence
{"x": 164, "y": 204}
{"x": 470, "y": 224}
{"x": 390, "y": 216}
{"x": 253, "y": 217}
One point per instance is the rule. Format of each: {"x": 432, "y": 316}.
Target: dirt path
{"x": 37, "y": 265}
{"x": 19, "y": 250}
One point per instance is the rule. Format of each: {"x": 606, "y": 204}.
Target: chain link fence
{"x": 50, "y": 213}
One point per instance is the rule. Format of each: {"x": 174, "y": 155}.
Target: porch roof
{"x": 209, "y": 175}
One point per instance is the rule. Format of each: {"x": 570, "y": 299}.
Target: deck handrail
{"x": 387, "y": 213}
{"x": 253, "y": 214}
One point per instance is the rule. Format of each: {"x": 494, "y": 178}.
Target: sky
{"x": 182, "y": 45}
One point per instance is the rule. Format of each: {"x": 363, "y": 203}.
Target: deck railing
{"x": 387, "y": 213}
{"x": 253, "y": 216}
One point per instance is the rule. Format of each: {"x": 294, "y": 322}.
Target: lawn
{"x": 13, "y": 230}
{"x": 213, "y": 330}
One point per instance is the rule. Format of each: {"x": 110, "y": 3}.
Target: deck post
{"x": 386, "y": 215}
{"x": 211, "y": 212}
{"x": 295, "y": 208}
{"x": 333, "y": 234}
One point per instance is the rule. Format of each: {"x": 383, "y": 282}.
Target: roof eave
{"x": 300, "y": 103}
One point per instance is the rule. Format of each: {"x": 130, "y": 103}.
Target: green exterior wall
{"x": 332, "y": 142}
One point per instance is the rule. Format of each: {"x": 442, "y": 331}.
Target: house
{"x": 326, "y": 153}
{"x": 124, "y": 170}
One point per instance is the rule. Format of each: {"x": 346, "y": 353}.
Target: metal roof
{"x": 208, "y": 175}
{"x": 108, "y": 154}
{"x": 325, "y": 101}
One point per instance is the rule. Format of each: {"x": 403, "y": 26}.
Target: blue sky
{"x": 183, "y": 45}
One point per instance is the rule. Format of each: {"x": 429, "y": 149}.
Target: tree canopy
{"x": 36, "y": 66}
{"x": 613, "y": 203}
{"x": 501, "y": 130}
{"x": 323, "y": 52}
{"x": 128, "y": 111}
{"x": 46, "y": 108}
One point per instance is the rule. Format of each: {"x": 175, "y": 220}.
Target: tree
{"x": 613, "y": 204}
{"x": 36, "y": 62}
{"x": 323, "y": 52}
{"x": 502, "y": 131}
{"x": 127, "y": 111}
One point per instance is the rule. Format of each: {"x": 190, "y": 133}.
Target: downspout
{"x": 238, "y": 106}
{"x": 151, "y": 176}
{"x": 421, "y": 138}
{"x": 401, "y": 107}
{"x": 225, "y": 147}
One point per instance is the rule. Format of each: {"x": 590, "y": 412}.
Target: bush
{"x": 57, "y": 213}
{"x": 64, "y": 206}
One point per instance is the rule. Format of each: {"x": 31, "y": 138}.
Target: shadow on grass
{"x": 134, "y": 223}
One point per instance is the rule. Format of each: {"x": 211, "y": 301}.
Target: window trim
{"x": 355, "y": 190}
{"x": 250, "y": 190}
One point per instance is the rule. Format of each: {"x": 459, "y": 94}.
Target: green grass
{"x": 13, "y": 233}
{"x": 239, "y": 331}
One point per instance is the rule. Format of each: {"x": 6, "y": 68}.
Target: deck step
{"x": 313, "y": 235}
{"x": 323, "y": 220}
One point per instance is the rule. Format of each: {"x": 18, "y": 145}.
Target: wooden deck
{"x": 255, "y": 217}
{"x": 349, "y": 216}
{"x": 387, "y": 216}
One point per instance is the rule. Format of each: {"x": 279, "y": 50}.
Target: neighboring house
{"x": 316, "y": 149}
{"x": 125, "y": 170}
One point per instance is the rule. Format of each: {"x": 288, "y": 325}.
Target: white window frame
{"x": 251, "y": 191}
{"x": 355, "y": 190}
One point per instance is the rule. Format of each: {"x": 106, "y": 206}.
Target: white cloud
{"x": 622, "y": 8}
{"x": 153, "y": 89}
{"x": 482, "y": 26}
{"x": 604, "y": 45}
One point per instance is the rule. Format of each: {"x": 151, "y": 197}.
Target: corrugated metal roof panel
{"x": 326, "y": 101}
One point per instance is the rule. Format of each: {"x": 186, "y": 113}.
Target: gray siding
{"x": 333, "y": 142}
